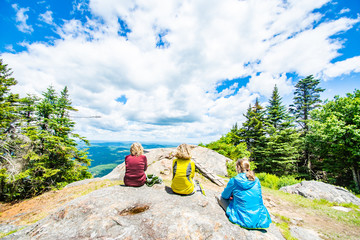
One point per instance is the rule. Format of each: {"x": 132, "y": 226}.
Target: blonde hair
{"x": 243, "y": 166}
{"x": 183, "y": 151}
{"x": 136, "y": 149}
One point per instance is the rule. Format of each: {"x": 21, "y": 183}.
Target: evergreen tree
{"x": 278, "y": 148}
{"x": 8, "y": 100}
{"x": 27, "y": 109}
{"x": 51, "y": 158}
{"x": 233, "y": 135}
{"x": 54, "y": 156}
{"x": 307, "y": 98}
{"x": 8, "y": 121}
{"x": 253, "y": 129}
{"x": 276, "y": 113}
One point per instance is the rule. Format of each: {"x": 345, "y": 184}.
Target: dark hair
{"x": 243, "y": 166}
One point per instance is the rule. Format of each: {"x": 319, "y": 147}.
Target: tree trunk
{"x": 308, "y": 160}
{"x": 356, "y": 176}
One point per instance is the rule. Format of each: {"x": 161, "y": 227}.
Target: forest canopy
{"x": 310, "y": 139}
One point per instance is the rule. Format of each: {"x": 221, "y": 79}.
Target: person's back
{"x": 183, "y": 171}
{"x": 183, "y": 174}
{"x": 135, "y": 167}
{"x": 135, "y": 170}
{"x": 246, "y": 208}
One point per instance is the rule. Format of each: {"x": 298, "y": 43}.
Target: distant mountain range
{"x": 106, "y": 156}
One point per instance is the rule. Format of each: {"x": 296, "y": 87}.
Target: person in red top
{"x": 135, "y": 165}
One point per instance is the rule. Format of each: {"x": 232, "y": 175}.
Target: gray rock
{"x": 120, "y": 212}
{"x": 210, "y": 159}
{"x": 303, "y": 233}
{"x": 160, "y": 161}
{"x": 7, "y": 228}
{"x": 85, "y": 181}
{"x": 320, "y": 190}
{"x": 340, "y": 208}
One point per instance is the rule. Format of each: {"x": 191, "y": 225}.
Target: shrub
{"x": 274, "y": 182}
{"x": 271, "y": 181}
{"x": 231, "y": 168}
{"x": 287, "y": 181}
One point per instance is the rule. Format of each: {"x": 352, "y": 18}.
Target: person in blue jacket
{"x": 242, "y": 199}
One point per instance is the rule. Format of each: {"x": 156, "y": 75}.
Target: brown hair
{"x": 136, "y": 149}
{"x": 183, "y": 151}
{"x": 243, "y": 166}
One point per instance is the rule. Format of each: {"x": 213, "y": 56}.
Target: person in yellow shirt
{"x": 183, "y": 171}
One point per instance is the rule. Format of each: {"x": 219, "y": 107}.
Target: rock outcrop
{"x": 121, "y": 212}
{"x": 160, "y": 162}
{"x": 320, "y": 190}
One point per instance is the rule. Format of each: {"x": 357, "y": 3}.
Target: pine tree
{"x": 253, "y": 129}
{"x": 307, "y": 98}
{"x": 51, "y": 158}
{"x": 233, "y": 135}
{"x": 54, "y": 156}
{"x": 279, "y": 150}
{"x": 276, "y": 113}
{"x": 8, "y": 120}
{"x": 8, "y": 100}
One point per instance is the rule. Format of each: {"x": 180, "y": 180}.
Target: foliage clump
{"x": 310, "y": 139}
{"x": 38, "y": 148}
{"x": 274, "y": 182}
{"x": 226, "y": 146}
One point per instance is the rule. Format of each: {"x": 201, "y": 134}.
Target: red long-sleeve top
{"x": 135, "y": 170}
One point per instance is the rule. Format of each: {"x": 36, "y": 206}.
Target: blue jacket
{"x": 247, "y": 208}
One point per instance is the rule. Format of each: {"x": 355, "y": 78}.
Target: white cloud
{"x": 343, "y": 67}
{"x": 21, "y": 19}
{"x": 47, "y": 17}
{"x": 264, "y": 83}
{"x": 170, "y": 91}
{"x": 10, "y": 48}
{"x": 344, "y": 10}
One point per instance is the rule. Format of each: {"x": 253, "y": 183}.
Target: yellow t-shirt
{"x": 183, "y": 174}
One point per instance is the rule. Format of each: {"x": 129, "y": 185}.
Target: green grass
{"x": 102, "y": 170}
{"x": 321, "y": 207}
{"x": 9, "y": 233}
{"x": 285, "y": 230}
{"x": 283, "y": 225}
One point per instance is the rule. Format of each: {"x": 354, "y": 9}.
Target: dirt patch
{"x": 326, "y": 226}
{"x": 135, "y": 209}
{"x": 32, "y": 210}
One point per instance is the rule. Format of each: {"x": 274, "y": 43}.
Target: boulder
{"x": 121, "y": 212}
{"x": 160, "y": 162}
{"x": 211, "y": 160}
{"x": 303, "y": 233}
{"x": 320, "y": 190}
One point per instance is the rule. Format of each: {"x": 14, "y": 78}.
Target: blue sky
{"x": 177, "y": 70}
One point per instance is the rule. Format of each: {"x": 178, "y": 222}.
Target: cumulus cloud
{"x": 345, "y": 10}
{"x": 265, "y": 82}
{"x": 46, "y": 17}
{"x": 21, "y": 18}
{"x": 343, "y": 67}
{"x": 170, "y": 88}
